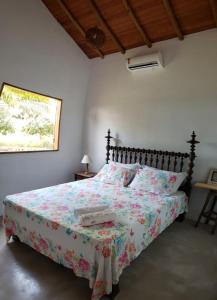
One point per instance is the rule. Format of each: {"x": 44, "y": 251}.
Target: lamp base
{"x": 87, "y": 170}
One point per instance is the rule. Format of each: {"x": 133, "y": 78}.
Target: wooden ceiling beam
{"x": 136, "y": 22}
{"x": 77, "y": 25}
{"x": 173, "y": 19}
{"x": 105, "y": 25}
{"x": 213, "y": 4}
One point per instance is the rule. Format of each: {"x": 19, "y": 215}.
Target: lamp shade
{"x": 85, "y": 159}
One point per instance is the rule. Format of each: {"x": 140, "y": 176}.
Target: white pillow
{"x": 113, "y": 173}
{"x": 157, "y": 181}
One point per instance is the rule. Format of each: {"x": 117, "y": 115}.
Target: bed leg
{"x": 15, "y": 238}
{"x": 181, "y": 217}
{"x": 115, "y": 291}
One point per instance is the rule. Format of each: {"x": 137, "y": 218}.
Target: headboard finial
{"x": 108, "y": 139}
{"x": 162, "y": 159}
{"x": 192, "y": 157}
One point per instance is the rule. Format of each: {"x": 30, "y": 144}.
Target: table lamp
{"x": 86, "y": 160}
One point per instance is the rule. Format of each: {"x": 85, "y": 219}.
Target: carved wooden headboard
{"x": 161, "y": 159}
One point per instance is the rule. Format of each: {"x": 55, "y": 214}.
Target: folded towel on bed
{"x": 91, "y": 209}
{"x": 99, "y": 217}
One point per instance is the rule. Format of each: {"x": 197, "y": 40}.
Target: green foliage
{"x": 5, "y": 124}
{"x": 37, "y": 122}
{"x": 35, "y": 127}
{"x": 10, "y": 93}
{"x": 8, "y": 99}
{"x": 33, "y": 112}
{"x": 25, "y": 114}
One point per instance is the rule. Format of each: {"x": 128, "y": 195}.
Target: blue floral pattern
{"x": 157, "y": 181}
{"x": 45, "y": 220}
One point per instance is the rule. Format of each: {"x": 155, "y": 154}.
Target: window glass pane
{"x": 28, "y": 121}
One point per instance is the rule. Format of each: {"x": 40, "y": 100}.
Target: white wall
{"x": 37, "y": 54}
{"x": 160, "y": 108}
{"x": 153, "y": 109}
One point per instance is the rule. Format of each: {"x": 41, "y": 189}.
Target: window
{"x": 28, "y": 121}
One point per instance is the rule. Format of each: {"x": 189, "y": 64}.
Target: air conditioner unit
{"x": 154, "y": 60}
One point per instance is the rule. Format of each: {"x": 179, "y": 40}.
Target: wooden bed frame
{"x": 161, "y": 159}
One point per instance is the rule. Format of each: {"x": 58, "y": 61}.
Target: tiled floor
{"x": 180, "y": 264}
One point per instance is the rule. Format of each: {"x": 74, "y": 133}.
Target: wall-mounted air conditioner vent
{"x": 153, "y": 60}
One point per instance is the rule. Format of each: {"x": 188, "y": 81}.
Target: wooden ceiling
{"x": 131, "y": 23}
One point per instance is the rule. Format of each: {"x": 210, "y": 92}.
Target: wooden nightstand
{"x": 83, "y": 175}
{"x": 209, "y": 215}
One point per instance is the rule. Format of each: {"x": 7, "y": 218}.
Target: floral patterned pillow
{"x": 157, "y": 181}
{"x": 115, "y": 174}
{"x": 135, "y": 166}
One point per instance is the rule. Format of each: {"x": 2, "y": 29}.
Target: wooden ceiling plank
{"x": 213, "y": 4}
{"x": 136, "y": 22}
{"x": 173, "y": 19}
{"x": 77, "y": 25}
{"x": 105, "y": 25}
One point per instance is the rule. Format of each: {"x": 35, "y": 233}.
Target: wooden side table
{"x": 209, "y": 215}
{"x": 83, "y": 175}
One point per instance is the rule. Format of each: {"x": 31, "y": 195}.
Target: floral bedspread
{"x": 45, "y": 220}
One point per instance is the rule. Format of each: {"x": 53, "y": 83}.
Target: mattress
{"x": 44, "y": 219}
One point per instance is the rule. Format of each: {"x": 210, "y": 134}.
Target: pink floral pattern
{"x": 45, "y": 220}
{"x": 117, "y": 174}
{"x": 157, "y": 181}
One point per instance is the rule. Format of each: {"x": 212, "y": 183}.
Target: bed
{"x": 44, "y": 219}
